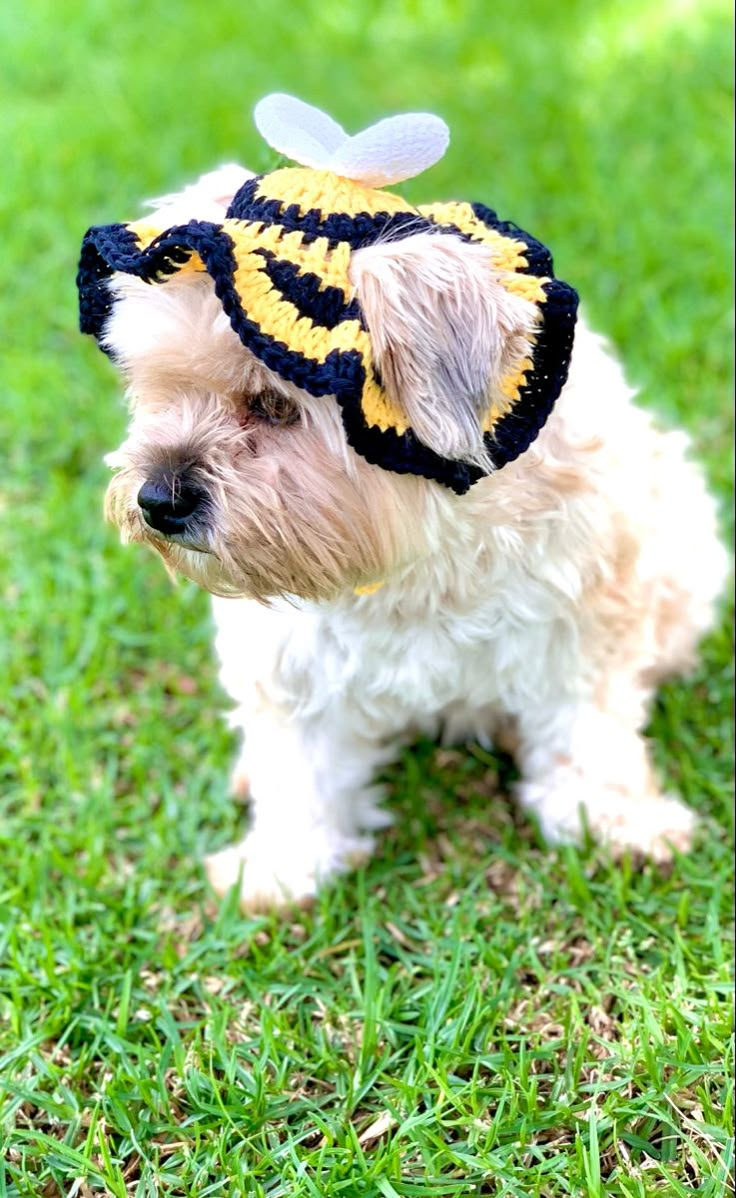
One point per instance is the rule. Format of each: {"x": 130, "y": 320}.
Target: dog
{"x": 357, "y": 607}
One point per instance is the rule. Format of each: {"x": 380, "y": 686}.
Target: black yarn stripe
{"x": 95, "y": 301}
{"x": 357, "y": 231}
{"x": 341, "y": 373}
{"x": 325, "y": 306}
{"x": 514, "y": 432}
{"x": 110, "y": 248}
{"x": 402, "y": 453}
{"x": 538, "y": 257}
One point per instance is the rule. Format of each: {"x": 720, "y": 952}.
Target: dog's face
{"x": 246, "y": 484}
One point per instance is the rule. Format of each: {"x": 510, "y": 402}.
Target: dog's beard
{"x": 293, "y": 527}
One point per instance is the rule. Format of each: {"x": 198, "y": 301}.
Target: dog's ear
{"x": 444, "y": 331}
{"x": 206, "y": 199}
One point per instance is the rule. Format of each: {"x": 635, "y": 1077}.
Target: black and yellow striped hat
{"x": 280, "y": 263}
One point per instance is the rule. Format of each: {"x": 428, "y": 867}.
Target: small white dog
{"x": 357, "y": 606}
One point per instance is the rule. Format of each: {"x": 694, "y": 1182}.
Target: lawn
{"x": 470, "y": 1014}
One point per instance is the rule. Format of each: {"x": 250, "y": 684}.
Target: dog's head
{"x": 253, "y": 478}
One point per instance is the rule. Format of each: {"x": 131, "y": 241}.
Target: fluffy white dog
{"x": 356, "y": 607}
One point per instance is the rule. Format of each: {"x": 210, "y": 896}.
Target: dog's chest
{"x": 386, "y": 669}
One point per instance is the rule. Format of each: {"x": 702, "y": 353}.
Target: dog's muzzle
{"x": 172, "y": 503}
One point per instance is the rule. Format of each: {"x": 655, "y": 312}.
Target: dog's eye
{"x": 274, "y": 409}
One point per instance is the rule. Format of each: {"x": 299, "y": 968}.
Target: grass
{"x": 470, "y": 1014}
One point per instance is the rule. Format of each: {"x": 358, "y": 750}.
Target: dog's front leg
{"x": 584, "y": 766}
{"x": 311, "y": 805}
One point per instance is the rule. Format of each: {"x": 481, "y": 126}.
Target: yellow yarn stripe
{"x": 507, "y": 254}
{"x": 146, "y": 233}
{"x": 281, "y": 319}
{"x": 308, "y": 189}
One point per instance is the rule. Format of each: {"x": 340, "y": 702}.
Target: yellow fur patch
{"x": 369, "y": 589}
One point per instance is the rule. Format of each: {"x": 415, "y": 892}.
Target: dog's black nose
{"x": 169, "y": 500}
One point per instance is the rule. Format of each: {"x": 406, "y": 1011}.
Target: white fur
{"x": 550, "y": 599}
{"x": 494, "y": 623}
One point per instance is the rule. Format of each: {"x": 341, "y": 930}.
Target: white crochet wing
{"x": 395, "y": 149}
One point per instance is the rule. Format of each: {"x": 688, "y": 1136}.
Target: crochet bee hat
{"x": 280, "y": 263}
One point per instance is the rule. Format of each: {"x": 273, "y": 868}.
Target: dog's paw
{"x": 655, "y": 828}
{"x": 648, "y": 826}
{"x": 262, "y": 885}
